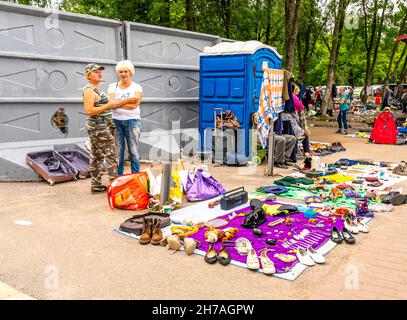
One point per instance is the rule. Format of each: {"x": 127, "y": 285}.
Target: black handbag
{"x": 254, "y": 219}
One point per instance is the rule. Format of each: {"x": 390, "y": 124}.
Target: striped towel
{"x": 270, "y": 102}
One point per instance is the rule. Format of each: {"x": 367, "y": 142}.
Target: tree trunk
{"x": 292, "y": 21}
{"x": 336, "y": 43}
{"x": 379, "y": 36}
{"x": 268, "y": 26}
{"x": 226, "y": 15}
{"x": 403, "y": 76}
{"x": 393, "y": 53}
{"x": 369, "y": 45}
{"x": 189, "y": 4}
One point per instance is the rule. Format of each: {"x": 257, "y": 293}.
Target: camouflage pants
{"x": 103, "y": 149}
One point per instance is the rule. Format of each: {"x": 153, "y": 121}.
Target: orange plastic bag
{"x": 129, "y": 192}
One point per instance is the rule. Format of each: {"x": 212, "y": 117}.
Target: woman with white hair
{"x": 127, "y": 118}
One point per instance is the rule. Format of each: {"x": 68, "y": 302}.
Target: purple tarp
{"x": 299, "y": 223}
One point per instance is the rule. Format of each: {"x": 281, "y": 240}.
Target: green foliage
{"x": 263, "y": 20}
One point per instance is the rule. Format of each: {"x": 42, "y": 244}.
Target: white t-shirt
{"x": 120, "y": 113}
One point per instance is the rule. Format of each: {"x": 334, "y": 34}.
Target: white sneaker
{"x": 361, "y": 226}
{"x": 304, "y": 258}
{"x": 316, "y": 256}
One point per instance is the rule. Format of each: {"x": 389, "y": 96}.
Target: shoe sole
{"x": 144, "y": 241}
{"x": 155, "y": 242}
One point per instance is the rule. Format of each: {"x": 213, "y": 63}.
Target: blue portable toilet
{"x": 230, "y": 79}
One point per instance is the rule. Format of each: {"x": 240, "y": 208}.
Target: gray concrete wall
{"x": 42, "y": 58}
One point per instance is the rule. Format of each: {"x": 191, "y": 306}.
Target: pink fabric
{"x": 297, "y": 103}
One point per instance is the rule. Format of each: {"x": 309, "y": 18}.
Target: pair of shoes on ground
{"x": 96, "y": 190}
{"x": 342, "y": 131}
{"x": 284, "y": 165}
{"x": 253, "y": 262}
{"x": 345, "y": 234}
{"x": 309, "y": 256}
{"x": 244, "y": 247}
{"x": 175, "y": 243}
{"x": 395, "y": 198}
{"x": 222, "y": 256}
{"x": 151, "y": 232}
{"x": 355, "y": 225}
{"x": 401, "y": 169}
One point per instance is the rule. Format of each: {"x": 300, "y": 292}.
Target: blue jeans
{"x": 342, "y": 118}
{"x": 128, "y": 132}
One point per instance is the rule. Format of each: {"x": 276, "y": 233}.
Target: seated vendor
{"x": 284, "y": 145}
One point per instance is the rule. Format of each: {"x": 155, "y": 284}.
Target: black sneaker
{"x": 280, "y": 165}
{"x": 338, "y": 131}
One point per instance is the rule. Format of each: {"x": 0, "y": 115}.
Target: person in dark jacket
{"x": 386, "y": 97}
{"x": 306, "y": 98}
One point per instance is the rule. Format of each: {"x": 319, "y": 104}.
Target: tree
{"x": 292, "y": 22}
{"x": 372, "y": 41}
{"x": 401, "y": 31}
{"x": 311, "y": 28}
{"x": 338, "y": 9}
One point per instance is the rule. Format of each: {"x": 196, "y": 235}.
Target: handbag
{"x": 135, "y": 223}
{"x": 202, "y": 186}
{"x": 254, "y": 219}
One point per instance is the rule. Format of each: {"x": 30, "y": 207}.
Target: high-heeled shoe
{"x": 336, "y": 236}
{"x": 347, "y": 236}
{"x": 252, "y": 260}
{"x": 223, "y": 256}
{"x": 174, "y": 242}
{"x": 189, "y": 245}
{"x": 267, "y": 265}
{"x": 211, "y": 255}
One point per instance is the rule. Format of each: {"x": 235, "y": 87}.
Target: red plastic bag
{"x": 129, "y": 192}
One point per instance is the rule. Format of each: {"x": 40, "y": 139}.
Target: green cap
{"x": 93, "y": 67}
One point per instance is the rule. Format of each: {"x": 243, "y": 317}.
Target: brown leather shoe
{"x": 146, "y": 234}
{"x": 157, "y": 233}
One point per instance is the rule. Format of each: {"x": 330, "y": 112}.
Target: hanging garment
{"x": 266, "y": 111}
{"x": 384, "y": 129}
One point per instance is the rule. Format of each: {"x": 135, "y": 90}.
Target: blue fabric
{"x": 128, "y": 132}
{"x": 342, "y": 119}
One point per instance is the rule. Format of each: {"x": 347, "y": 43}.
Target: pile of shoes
{"x": 401, "y": 169}
{"x": 395, "y": 198}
